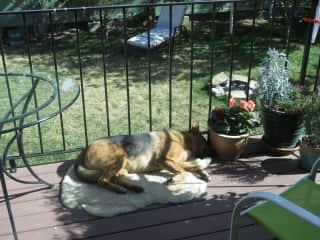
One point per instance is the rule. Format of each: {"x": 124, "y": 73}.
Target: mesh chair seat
{"x": 286, "y": 225}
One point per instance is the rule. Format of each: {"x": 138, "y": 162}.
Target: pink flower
{"x": 232, "y": 102}
{"x": 251, "y": 105}
{"x": 244, "y": 104}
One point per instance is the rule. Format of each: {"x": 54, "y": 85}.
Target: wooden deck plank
{"x": 39, "y": 214}
{"x": 112, "y": 229}
{"x": 247, "y": 232}
{"x": 55, "y": 215}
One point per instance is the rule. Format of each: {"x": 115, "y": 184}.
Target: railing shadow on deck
{"x": 153, "y": 217}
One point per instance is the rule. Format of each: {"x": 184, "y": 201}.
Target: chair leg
{"x": 236, "y": 215}
{"x": 235, "y": 219}
{"x": 185, "y": 33}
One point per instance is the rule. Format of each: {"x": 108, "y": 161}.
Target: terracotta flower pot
{"x": 227, "y": 147}
{"x": 308, "y": 156}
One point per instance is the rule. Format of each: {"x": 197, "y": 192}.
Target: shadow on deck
{"x": 39, "y": 214}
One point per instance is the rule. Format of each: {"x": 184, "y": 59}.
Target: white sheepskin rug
{"x": 104, "y": 203}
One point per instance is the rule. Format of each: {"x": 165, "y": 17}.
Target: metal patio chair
{"x": 294, "y": 214}
{"x": 161, "y": 32}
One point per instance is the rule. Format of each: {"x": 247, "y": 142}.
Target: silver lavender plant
{"x": 273, "y": 82}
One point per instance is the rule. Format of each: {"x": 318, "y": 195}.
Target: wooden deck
{"x": 39, "y": 214}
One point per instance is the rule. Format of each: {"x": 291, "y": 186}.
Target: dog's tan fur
{"x": 107, "y": 162}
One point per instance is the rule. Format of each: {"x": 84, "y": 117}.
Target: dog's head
{"x": 196, "y": 143}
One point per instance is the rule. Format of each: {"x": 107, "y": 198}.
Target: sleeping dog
{"x": 107, "y": 161}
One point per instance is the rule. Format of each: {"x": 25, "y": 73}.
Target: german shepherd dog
{"x": 107, "y": 161}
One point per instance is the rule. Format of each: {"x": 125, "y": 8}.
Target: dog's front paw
{"x": 169, "y": 181}
{"x": 205, "y": 176}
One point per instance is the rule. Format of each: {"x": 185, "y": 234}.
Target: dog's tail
{"x": 86, "y": 174}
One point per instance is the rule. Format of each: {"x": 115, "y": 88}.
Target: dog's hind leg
{"x": 106, "y": 183}
{"x": 120, "y": 179}
{"x": 107, "y": 179}
{"x": 129, "y": 186}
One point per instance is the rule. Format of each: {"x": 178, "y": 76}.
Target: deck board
{"x": 39, "y": 214}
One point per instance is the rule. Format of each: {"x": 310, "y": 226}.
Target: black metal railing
{"x": 75, "y": 18}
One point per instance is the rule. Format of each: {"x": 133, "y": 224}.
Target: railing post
{"x": 232, "y": 48}
{"x": 307, "y": 46}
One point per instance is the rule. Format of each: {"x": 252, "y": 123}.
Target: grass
{"x": 93, "y": 79}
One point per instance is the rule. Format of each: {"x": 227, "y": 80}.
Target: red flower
{"x": 296, "y": 109}
{"x": 220, "y": 112}
{"x": 232, "y": 102}
{"x": 251, "y": 105}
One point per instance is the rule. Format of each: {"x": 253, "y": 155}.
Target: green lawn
{"x": 94, "y": 93}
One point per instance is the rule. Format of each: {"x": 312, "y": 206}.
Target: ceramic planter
{"x": 227, "y": 147}
{"x": 282, "y": 130}
{"x": 308, "y": 156}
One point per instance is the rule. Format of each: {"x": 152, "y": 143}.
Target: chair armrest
{"x": 286, "y": 204}
{"x": 314, "y": 169}
{"x": 276, "y": 199}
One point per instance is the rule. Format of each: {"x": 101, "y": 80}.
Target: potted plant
{"x": 283, "y": 104}
{"x": 229, "y": 128}
{"x": 310, "y": 146}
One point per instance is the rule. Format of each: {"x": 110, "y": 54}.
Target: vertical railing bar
{"x": 232, "y": 49}
{"x": 149, "y": 72}
{"x": 316, "y": 82}
{"x": 125, "y": 47}
{"x": 31, "y": 71}
{"x": 251, "y": 49}
{"x": 289, "y": 30}
{"x": 12, "y": 163}
{"x": 212, "y": 56}
{"x": 53, "y": 47}
{"x": 81, "y": 77}
{"x": 307, "y": 46}
{"x": 270, "y": 43}
{"x": 6, "y": 77}
{"x": 191, "y": 65}
{"x": 170, "y": 65}
{"x": 103, "y": 35}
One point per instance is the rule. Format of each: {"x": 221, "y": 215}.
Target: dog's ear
{"x": 195, "y": 127}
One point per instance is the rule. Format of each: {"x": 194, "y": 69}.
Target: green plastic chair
{"x": 292, "y": 215}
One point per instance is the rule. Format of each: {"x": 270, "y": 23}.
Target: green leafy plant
{"x": 312, "y": 124}
{"x": 275, "y": 90}
{"x": 299, "y": 100}
{"x": 236, "y": 119}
